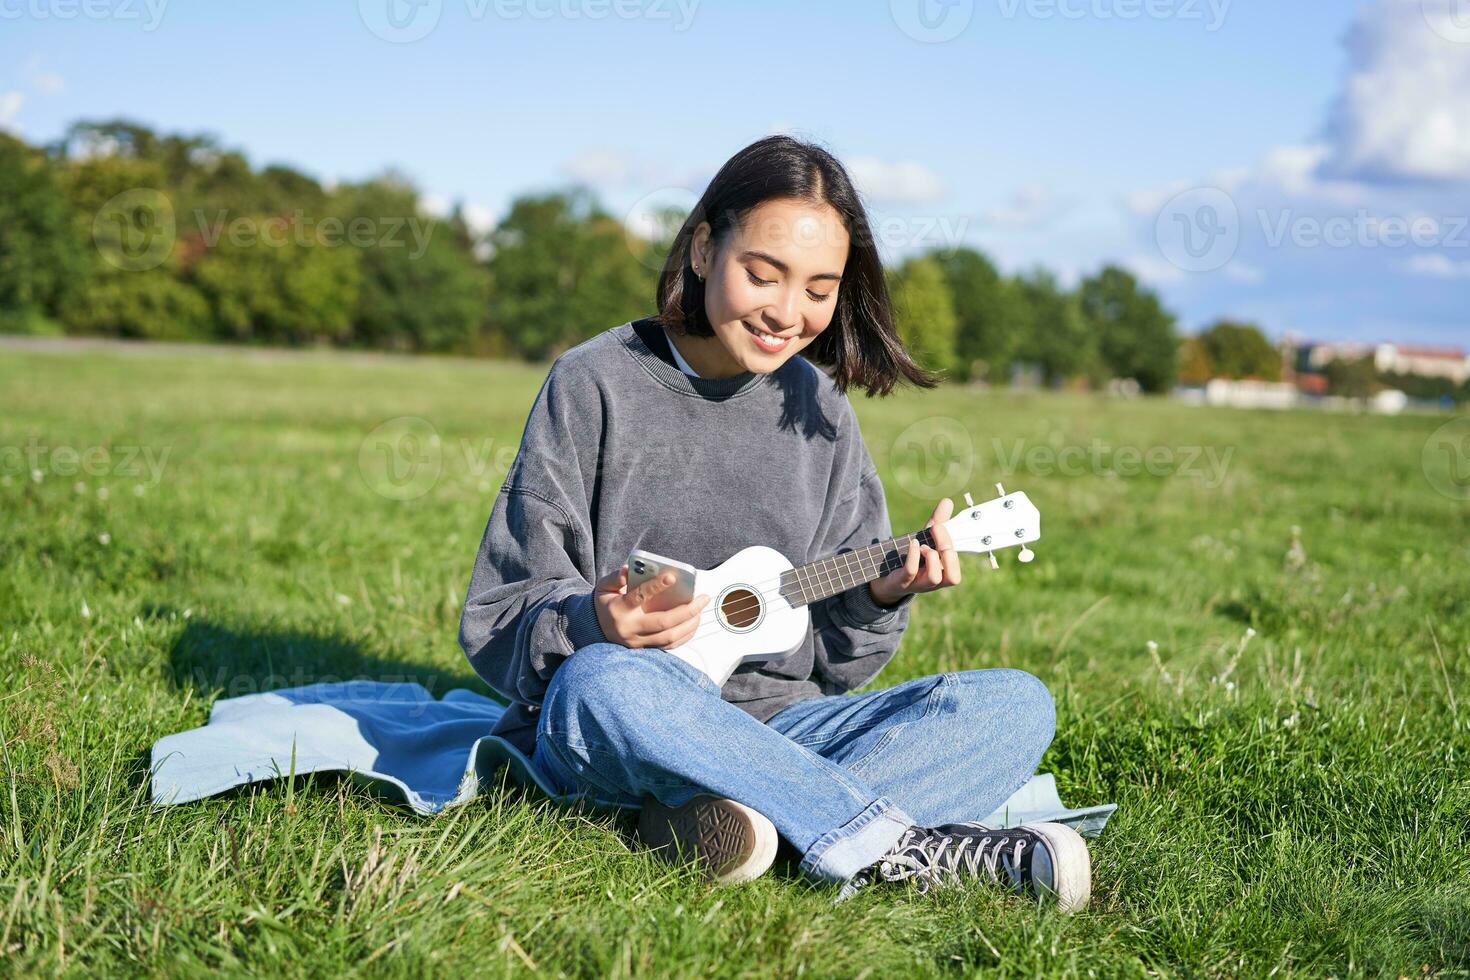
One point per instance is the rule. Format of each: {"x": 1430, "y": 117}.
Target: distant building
{"x": 1250, "y": 393}
{"x": 1315, "y": 356}
{"x": 1427, "y": 362}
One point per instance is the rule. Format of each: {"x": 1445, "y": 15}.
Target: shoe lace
{"x": 934, "y": 859}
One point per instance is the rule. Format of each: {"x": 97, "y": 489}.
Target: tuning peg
{"x": 993, "y": 562}
{"x": 969, "y": 501}
{"x": 1025, "y": 554}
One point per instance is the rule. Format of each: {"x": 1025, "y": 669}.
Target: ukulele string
{"x": 746, "y": 605}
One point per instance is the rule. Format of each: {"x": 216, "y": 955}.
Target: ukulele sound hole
{"x": 740, "y": 608}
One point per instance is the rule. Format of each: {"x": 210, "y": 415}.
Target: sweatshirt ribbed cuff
{"x": 583, "y": 629}
{"x": 859, "y": 606}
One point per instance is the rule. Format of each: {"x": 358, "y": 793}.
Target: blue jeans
{"x": 839, "y": 776}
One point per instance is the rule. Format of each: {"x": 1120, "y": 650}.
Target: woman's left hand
{"x": 924, "y": 569}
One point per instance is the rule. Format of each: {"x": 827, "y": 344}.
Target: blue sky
{"x": 1303, "y": 165}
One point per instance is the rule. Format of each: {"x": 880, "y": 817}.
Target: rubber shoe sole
{"x": 1066, "y": 874}
{"x": 729, "y": 841}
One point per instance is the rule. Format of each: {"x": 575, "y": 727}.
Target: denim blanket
{"x": 412, "y": 749}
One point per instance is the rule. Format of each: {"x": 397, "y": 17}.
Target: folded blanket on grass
{"x": 412, "y": 749}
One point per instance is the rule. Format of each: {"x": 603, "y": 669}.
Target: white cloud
{"x": 1437, "y": 266}
{"x": 1153, "y": 270}
{"x": 1243, "y": 272}
{"x": 605, "y": 168}
{"x": 1404, "y": 111}
{"x": 1030, "y": 207}
{"x": 905, "y": 182}
{"x": 479, "y": 218}
{"x": 50, "y": 83}
{"x": 10, "y": 103}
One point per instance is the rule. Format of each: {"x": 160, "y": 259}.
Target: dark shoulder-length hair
{"x": 861, "y": 345}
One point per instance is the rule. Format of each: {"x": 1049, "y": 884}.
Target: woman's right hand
{"x": 623, "y": 619}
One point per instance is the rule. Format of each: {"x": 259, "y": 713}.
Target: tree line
{"x": 116, "y": 230}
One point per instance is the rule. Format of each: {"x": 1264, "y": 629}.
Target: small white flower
{"x": 1229, "y": 685}
{"x": 1250, "y": 631}
{"x": 139, "y": 489}
{"x": 1152, "y": 647}
{"x": 102, "y": 493}
{"x": 104, "y": 538}
{"x": 343, "y": 600}
{"x": 36, "y": 476}
{"x": 86, "y": 613}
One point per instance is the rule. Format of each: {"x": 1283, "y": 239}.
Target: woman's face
{"x": 771, "y": 287}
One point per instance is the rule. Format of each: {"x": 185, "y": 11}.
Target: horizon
{"x": 1304, "y": 170}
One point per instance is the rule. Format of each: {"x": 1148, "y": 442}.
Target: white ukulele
{"x": 758, "y": 599}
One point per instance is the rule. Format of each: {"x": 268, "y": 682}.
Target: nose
{"x": 786, "y": 316}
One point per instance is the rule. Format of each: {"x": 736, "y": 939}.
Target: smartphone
{"x": 645, "y": 565}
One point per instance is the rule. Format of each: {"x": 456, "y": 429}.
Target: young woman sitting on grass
{"x": 696, "y": 433}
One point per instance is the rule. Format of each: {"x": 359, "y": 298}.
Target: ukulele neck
{"x": 825, "y": 577}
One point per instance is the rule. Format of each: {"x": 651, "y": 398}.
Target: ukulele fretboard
{"x": 825, "y": 577}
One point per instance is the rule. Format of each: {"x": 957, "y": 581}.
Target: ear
{"x": 699, "y": 246}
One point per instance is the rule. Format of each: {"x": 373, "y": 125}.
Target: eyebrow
{"x": 751, "y": 253}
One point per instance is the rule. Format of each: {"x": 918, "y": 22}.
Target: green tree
{"x": 1056, "y": 334}
{"x": 563, "y": 271}
{"x": 127, "y": 225}
{"x": 41, "y": 261}
{"x": 925, "y": 311}
{"x": 990, "y": 313}
{"x": 1240, "y": 350}
{"x": 1135, "y": 335}
{"x": 1194, "y": 362}
{"x": 281, "y": 287}
{"x": 1352, "y": 377}
{"x": 421, "y": 286}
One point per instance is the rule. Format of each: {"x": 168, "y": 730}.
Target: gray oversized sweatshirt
{"x": 623, "y": 450}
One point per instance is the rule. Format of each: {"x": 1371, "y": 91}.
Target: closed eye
{"x": 758, "y": 281}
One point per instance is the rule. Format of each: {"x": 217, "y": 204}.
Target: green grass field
{"x": 1292, "y": 801}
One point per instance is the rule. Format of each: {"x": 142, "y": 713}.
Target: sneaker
{"x": 729, "y": 841}
{"x": 1043, "y": 860}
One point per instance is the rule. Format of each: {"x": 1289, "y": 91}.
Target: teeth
{"x": 766, "y": 340}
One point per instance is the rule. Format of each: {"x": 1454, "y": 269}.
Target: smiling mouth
{"x": 766, "y": 341}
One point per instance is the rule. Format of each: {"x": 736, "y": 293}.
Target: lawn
{"x": 1255, "y": 626}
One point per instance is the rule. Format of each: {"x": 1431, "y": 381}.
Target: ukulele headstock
{"x": 1008, "y": 521}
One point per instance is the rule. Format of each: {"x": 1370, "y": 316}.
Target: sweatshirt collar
{"x": 672, "y": 377}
